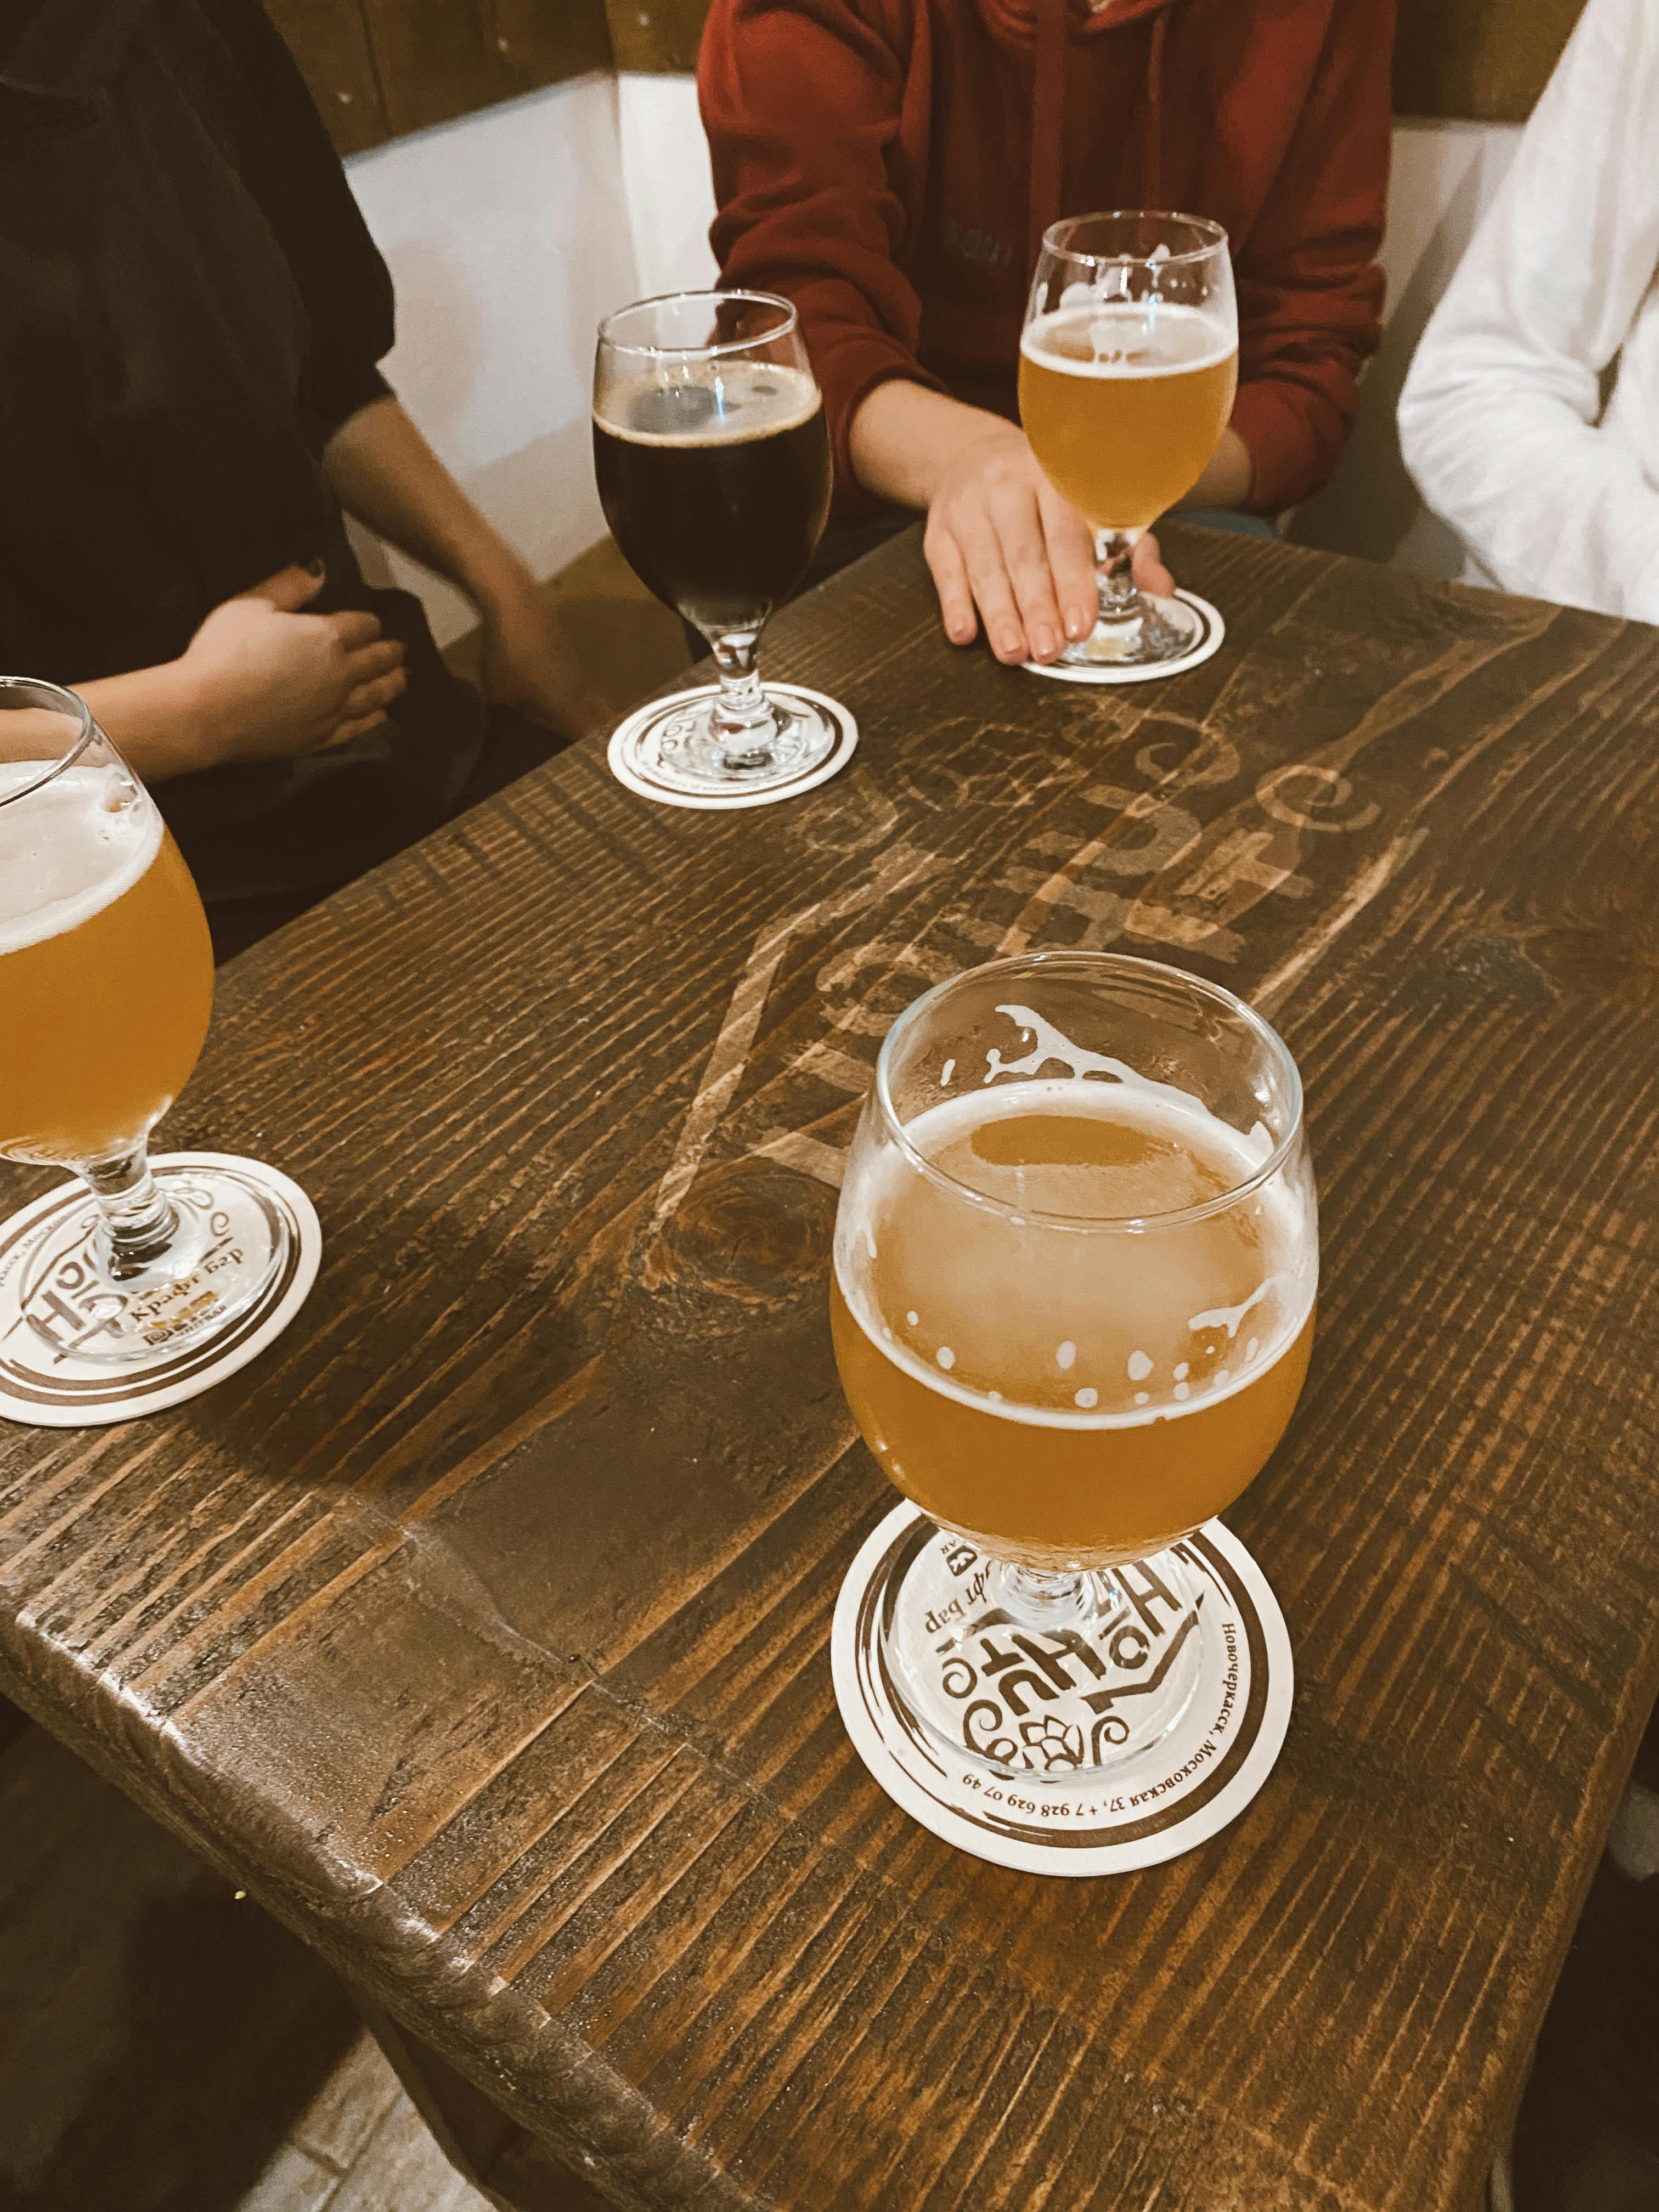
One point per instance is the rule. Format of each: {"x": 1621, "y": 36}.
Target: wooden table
{"x": 480, "y": 1628}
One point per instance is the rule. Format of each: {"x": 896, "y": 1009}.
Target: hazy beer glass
{"x": 105, "y": 986}
{"x": 1076, "y": 1257}
{"x": 713, "y": 462}
{"x": 1128, "y": 366}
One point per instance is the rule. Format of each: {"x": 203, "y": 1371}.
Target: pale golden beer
{"x": 1064, "y": 1396}
{"x": 105, "y": 967}
{"x": 1124, "y": 404}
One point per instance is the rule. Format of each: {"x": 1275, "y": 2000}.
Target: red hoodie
{"x": 873, "y": 159}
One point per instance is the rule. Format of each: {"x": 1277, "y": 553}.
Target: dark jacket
{"x": 190, "y": 307}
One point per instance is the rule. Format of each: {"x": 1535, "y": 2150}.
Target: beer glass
{"x": 1128, "y": 366}
{"x": 713, "y": 463}
{"x": 1075, "y": 1263}
{"x": 106, "y": 986}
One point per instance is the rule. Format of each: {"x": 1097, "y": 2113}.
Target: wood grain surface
{"x": 1485, "y": 60}
{"x": 378, "y": 69}
{"x": 480, "y": 1628}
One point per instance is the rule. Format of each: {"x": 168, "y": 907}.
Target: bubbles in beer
{"x": 1129, "y": 1151}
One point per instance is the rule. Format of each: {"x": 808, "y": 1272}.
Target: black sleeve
{"x": 345, "y": 282}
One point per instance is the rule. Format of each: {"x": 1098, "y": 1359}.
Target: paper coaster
{"x": 44, "y": 1308}
{"x": 633, "y": 750}
{"x": 1168, "y": 1797}
{"x": 1209, "y": 639}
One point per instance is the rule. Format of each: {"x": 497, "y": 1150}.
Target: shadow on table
{"x": 157, "y": 2037}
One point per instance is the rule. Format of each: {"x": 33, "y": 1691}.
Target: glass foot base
{"x": 74, "y": 1350}
{"x": 1174, "y": 634}
{"x": 1121, "y": 1736}
{"x": 669, "y": 750}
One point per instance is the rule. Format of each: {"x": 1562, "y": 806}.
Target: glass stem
{"x": 1039, "y": 1599}
{"x": 140, "y": 1220}
{"x": 1114, "y": 553}
{"x": 743, "y": 717}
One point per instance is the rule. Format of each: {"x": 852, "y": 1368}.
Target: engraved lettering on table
{"x": 1152, "y": 873}
{"x": 897, "y": 869}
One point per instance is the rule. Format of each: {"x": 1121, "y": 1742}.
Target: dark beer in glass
{"x": 713, "y": 464}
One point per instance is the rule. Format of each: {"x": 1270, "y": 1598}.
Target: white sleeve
{"x": 1497, "y": 420}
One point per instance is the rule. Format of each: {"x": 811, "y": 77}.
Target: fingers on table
{"x": 1024, "y": 545}
{"x": 950, "y": 572}
{"x": 1071, "y": 563}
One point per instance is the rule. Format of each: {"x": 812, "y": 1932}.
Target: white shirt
{"x": 1498, "y": 419}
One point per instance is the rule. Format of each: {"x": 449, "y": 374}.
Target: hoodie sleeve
{"x": 1500, "y": 417}
{"x": 1310, "y": 291}
{"x": 803, "y": 107}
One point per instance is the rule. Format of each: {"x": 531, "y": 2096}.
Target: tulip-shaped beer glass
{"x": 1127, "y": 369}
{"x": 713, "y": 464}
{"x": 106, "y": 986}
{"x": 1075, "y": 1264}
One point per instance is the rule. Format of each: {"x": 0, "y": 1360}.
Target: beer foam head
{"x": 709, "y": 404}
{"x": 1138, "y": 338}
{"x": 68, "y": 849}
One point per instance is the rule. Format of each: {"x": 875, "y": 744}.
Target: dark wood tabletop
{"x": 480, "y": 1628}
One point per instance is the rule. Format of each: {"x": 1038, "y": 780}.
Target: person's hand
{"x": 525, "y": 662}
{"x": 264, "y": 680}
{"x": 1008, "y": 551}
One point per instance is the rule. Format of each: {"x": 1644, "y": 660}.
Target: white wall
{"x": 508, "y": 237}
{"x": 671, "y": 193}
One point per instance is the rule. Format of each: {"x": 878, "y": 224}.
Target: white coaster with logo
{"x": 1041, "y": 1803}
{"x": 1212, "y": 631}
{"x": 53, "y": 1305}
{"x": 642, "y": 745}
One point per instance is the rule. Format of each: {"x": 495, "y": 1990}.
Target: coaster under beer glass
{"x": 1075, "y": 1265}
{"x": 105, "y": 986}
{"x": 713, "y": 462}
{"x": 1128, "y": 367}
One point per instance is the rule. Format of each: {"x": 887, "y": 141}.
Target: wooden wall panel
{"x": 1487, "y": 60}
{"x": 379, "y": 67}
{"x": 382, "y": 67}
{"x": 436, "y": 59}
{"x": 660, "y": 35}
{"x": 329, "y": 40}
{"x": 545, "y": 41}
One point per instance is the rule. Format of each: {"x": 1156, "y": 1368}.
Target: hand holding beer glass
{"x": 105, "y": 986}
{"x": 1075, "y": 1264}
{"x": 713, "y": 462}
{"x": 1128, "y": 366}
